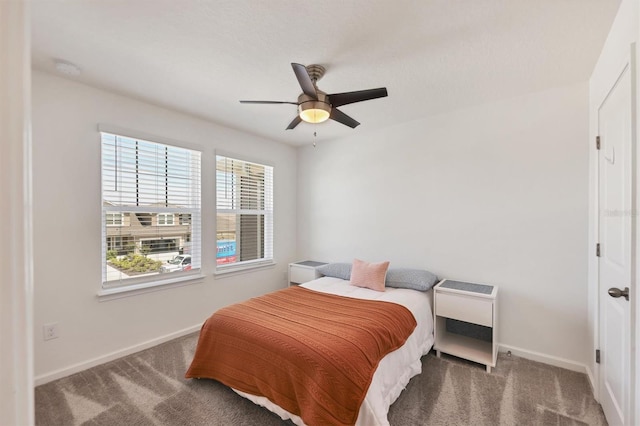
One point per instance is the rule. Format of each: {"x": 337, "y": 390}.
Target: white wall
{"x": 493, "y": 194}
{"x": 67, "y": 217}
{"x": 16, "y": 280}
{"x": 614, "y": 55}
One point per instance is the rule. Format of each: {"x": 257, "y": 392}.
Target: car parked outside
{"x": 181, "y": 262}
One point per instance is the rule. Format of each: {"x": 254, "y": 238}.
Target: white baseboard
{"x": 81, "y": 366}
{"x": 76, "y": 368}
{"x": 547, "y": 359}
{"x": 592, "y": 381}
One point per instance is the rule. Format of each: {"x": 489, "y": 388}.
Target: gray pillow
{"x": 414, "y": 279}
{"x": 337, "y": 270}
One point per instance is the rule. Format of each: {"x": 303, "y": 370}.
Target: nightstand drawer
{"x": 301, "y": 275}
{"x": 305, "y": 271}
{"x": 464, "y": 308}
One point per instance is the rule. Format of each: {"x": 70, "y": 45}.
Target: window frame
{"x": 269, "y": 219}
{"x": 113, "y": 289}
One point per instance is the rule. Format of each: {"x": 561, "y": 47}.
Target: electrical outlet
{"x": 50, "y": 331}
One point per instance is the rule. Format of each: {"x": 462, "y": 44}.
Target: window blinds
{"x": 150, "y": 209}
{"x": 244, "y": 211}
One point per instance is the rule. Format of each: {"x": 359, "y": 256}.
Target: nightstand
{"x": 465, "y": 321}
{"x": 301, "y": 272}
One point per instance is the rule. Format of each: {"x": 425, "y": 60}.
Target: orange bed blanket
{"x": 313, "y": 354}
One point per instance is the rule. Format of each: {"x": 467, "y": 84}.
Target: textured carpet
{"x": 148, "y": 388}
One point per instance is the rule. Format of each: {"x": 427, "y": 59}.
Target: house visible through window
{"x": 244, "y": 213}
{"x": 147, "y": 190}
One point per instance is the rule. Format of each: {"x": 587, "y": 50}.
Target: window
{"x": 146, "y": 186}
{"x": 114, "y": 219}
{"x": 165, "y": 219}
{"x": 244, "y": 213}
{"x": 120, "y": 244}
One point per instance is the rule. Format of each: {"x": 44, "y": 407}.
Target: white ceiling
{"x": 202, "y": 56}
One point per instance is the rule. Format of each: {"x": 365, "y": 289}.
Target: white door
{"x": 615, "y": 231}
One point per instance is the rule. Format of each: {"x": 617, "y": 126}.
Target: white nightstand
{"x": 476, "y": 305}
{"x": 301, "y": 272}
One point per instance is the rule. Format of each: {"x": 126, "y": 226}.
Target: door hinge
{"x": 597, "y": 356}
{"x": 597, "y": 142}
{"x": 598, "y": 250}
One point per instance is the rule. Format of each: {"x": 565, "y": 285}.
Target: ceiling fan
{"x": 315, "y": 106}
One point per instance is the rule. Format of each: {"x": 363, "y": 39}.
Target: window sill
{"x": 112, "y": 293}
{"x": 243, "y": 269}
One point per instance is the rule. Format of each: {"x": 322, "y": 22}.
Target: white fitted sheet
{"x": 396, "y": 369}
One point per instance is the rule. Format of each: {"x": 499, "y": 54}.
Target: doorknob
{"x": 616, "y": 292}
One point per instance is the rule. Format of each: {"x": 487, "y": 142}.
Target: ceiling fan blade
{"x": 294, "y": 123}
{"x": 268, "y": 102}
{"x": 305, "y": 81}
{"x": 339, "y": 99}
{"x": 343, "y": 118}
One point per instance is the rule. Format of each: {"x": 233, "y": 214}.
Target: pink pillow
{"x": 369, "y": 275}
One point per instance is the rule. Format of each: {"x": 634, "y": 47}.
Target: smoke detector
{"x": 67, "y": 68}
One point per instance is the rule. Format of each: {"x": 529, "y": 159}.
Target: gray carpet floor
{"x": 148, "y": 388}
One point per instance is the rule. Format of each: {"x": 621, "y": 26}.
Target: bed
{"x": 390, "y": 374}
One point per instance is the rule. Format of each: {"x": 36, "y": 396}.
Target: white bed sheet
{"x": 396, "y": 369}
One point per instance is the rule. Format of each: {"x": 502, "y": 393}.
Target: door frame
{"x": 634, "y": 320}
{"x": 634, "y": 325}
{"x": 16, "y": 272}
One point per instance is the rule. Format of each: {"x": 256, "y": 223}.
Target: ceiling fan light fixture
{"x": 314, "y": 111}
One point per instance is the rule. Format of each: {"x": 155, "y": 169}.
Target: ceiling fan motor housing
{"x": 315, "y": 71}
